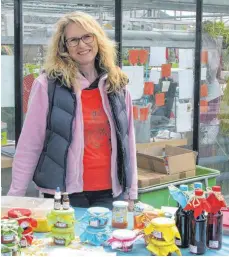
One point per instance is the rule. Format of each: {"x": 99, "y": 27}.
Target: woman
{"x": 78, "y": 133}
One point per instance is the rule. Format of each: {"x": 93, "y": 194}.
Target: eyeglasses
{"x": 74, "y": 41}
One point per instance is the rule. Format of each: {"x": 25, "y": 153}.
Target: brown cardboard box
{"x": 161, "y": 143}
{"x": 176, "y": 159}
{"x": 148, "y": 178}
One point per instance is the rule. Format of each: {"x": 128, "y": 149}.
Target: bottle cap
{"x": 58, "y": 193}
{"x": 199, "y": 192}
{"x": 198, "y": 185}
{"x": 216, "y": 188}
{"x": 184, "y": 188}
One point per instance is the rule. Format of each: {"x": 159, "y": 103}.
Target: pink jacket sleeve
{"x": 133, "y": 192}
{"x": 31, "y": 140}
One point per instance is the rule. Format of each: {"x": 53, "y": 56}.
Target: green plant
{"x": 216, "y": 29}
{"x": 30, "y": 68}
{"x": 224, "y": 111}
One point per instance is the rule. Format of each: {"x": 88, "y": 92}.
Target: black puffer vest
{"x": 51, "y": 169}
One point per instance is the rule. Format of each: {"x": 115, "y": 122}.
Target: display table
{"x": 139, "y": 248}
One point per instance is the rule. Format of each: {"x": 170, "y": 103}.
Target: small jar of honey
{"x": 120, "y": 214}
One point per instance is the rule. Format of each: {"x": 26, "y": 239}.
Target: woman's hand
{"x": 131, "y": 205}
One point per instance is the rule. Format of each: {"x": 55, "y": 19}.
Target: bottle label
{"x": 61, "y": 225}
{"x": 157, "y": 234}
{"x": 119, "y": 215}
{"x": 57, "y": 205}
{"x": 25, "y": 224}
{"x": 178, "y": 242}
{"x": 66, "y": 205}
{"x": 23, "y": 243}
{"x": 213, "y": 244}
{"x": 193, "y": 248}
{"x": 59, "y": 241}
{"x": 94, "y": 223}
{"x": 9, "y": 237}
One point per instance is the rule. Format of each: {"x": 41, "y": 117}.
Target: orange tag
{"x": 133, "y": 56}
{"x": 135, "y": 112}
{"x": 160, "y": 99}
{"x": 203, "y": 106}
{"x": 203, "y": 90}
{"x": 144, "y": 113}
{"x": 165, "y": 70}
{"x": 148, "y": 88}
{"x": 204, "y": 57}
{"x": 143, "y": 56}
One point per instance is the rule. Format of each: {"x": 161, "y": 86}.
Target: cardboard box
{"x": 161, "y": 143}
{"x": 148, "y": 178}
{"x": 168, "y": 160}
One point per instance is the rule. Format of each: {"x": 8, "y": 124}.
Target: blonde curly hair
{"x": 59, "y": 64}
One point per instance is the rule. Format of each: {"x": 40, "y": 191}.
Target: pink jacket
{"x": 32, "y": 138}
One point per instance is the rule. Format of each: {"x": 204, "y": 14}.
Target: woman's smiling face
{"x": 82, "y": 46}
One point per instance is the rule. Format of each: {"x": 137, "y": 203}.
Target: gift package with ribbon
{"x": 95, "y": 226}
{"x": 160, "y": 236}
{"x": 25, "y": 222}
{"x": 123, "y": 240}
{"x": 215, "y": 217}
{"x": 11, "y": 234}
{"x": 144, "y": 213}
{"x": 62, "y": 226}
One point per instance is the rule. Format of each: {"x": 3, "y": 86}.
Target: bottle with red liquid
{"x": 183, "y": 219}
{"x": 198, "y": 230}
{"x": 214, "y": 220}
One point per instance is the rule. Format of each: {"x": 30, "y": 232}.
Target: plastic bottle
{"x": 183, "y": 219}
{"x": 198, "y": 230}
{"x": 198, "y": 185}
{"x": 215, "y": 226}
{"x": 57, "y": 199}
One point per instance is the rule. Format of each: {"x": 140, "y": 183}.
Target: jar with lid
{"x": 161, "y": 234}
{"x": 120, "y": 214}
{"x": 123, "y": 240}
{"x": 9, "y": 231}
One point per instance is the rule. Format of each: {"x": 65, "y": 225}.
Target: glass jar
{"x": 122, "y": 240}
{"x": 8, "y": 231}
{"x": 120, "y": 214}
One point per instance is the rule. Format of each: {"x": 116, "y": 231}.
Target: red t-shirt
{"x": 97, "y": 143}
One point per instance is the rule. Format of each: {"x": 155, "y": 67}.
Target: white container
{"x": 39, "y": 207}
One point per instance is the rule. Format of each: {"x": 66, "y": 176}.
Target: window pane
{"x": 158, "y": 56}
{"x": 214, "y": 108}
{"x": 7, "y": 70}
{"x": 39, "y": 20}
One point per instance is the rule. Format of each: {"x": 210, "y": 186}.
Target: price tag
{"x": 193, "y": 248}
{"x": 165, "y": 86}
{"x": 94, "y": 223}
{"x": 178, "y": 242}
{"x": 157, "y": 234}
{"x": 214, "y": 244}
